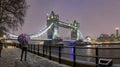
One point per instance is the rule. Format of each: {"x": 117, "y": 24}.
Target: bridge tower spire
{"x": 52, "y": 33}
{"x": 75, "y": 32}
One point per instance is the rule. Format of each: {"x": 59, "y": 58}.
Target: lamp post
{"x": 4, "y": 37}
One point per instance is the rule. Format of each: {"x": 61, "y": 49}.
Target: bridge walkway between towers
{"x": 11, "y": 58}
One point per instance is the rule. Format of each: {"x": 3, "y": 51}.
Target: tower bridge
{"x": 52, "y": 29}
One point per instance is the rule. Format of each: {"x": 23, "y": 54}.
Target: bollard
{"x": 38, "y": 49}
{"x": 74, "y": 57}
{"x": 97, "y": 54}
{"x": 34, "y": 49}
{"x": 46, "y": 49}
{"x": 31, "y": 47}
{"x": 59, "y": 54}
{"x": 50, "y": 52}
{"x": 43, "y": 51}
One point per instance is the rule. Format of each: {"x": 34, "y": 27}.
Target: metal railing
{"x": 47, "y": 50}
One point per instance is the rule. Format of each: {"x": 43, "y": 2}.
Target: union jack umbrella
{"x": 23, "y": 38}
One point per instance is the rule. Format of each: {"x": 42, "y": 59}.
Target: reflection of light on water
{"x": 71, "y": 52}
{"x": 72, "y": 43}
{"x": 88, "y": 46}
{"x": 88, "y": 51}
{"x": 91, "y": 46}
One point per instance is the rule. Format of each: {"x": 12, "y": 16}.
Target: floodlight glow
{"x": 41, "y": 32}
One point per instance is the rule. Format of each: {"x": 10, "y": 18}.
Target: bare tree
{"x": 12, "y": 14}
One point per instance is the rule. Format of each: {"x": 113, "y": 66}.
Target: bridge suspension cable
{"x": 10, "y": 35}
{"x": 68, "y": 25}
{"x": 42, "y": 29}
{"x": 41, "y": 32}
{"x": 81, "y": 35}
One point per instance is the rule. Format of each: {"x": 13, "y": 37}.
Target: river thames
{"x": 107, "y": 51}
{"x": 87, "y": 52}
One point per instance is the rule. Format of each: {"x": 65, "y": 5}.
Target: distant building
{"x": 117, "y": 32}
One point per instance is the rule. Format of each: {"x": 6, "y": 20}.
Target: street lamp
{"x": 4, "y": 36}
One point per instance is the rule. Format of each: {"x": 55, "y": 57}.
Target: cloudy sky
{"x": 95, "y": 16}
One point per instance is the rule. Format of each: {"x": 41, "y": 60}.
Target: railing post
{"x": 31, "y": 47}
{"x": 74, "y": 56}
{"x": 34, "y": 48}
{"x": 28, "y": 47}
{"x": 50, "y": 52}
{"x": 19, "y": 45}
{"x": 46, "y": 46}
{"x": 97, "y": 56}
{"x": 38, "y": 49}
{"x": 59, "y": 54}
{"x": 43, "y": 51}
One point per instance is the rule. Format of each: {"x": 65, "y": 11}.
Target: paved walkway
{"x": 11, "y": 58}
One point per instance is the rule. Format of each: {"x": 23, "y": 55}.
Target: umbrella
{"x": 23, "y": 38}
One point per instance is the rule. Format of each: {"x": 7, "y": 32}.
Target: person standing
{"x": 24, "y": 46}
{"x": 23, "y": 39}
{"x": 1, "y": 47}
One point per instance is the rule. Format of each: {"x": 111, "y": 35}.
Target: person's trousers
{"x": 24, "y": 52}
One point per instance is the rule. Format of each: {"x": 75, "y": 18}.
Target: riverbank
{"x": 11, "y": 58}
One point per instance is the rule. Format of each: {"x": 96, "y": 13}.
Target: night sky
{"x": 95, "y": 16}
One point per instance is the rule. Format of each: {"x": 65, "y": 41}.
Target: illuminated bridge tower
{"x": 75, "y": 35}
{"x": 52, "y": 33}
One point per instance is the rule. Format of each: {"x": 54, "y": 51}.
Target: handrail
{"x": 47, "y": 50}
{"x": 74, "y": 52}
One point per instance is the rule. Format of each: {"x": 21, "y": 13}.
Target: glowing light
{"x": 117, "y": 28}
{"x": 4, "y": 36}
{"x": 107, "y": 42}
{"x": 41, "y": 42}
{"x": 52, "y": 17}
{"x": 71, "y": 52}
{"x": 48, "y": 18}
{"x": 11, "y": 35}
{"x": 41, "y": 29}
{"x": 72, "y": 43}
{"x": 10, "y": 47}
{"x": 80, "y": 33}
{"x": 40, "y": 33}
{"x": 8, "y": 41}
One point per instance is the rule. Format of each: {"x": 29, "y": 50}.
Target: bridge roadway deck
{"x": 11, "y": 58}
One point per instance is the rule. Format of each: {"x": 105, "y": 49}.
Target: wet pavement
{"x": 11, "y": 58}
